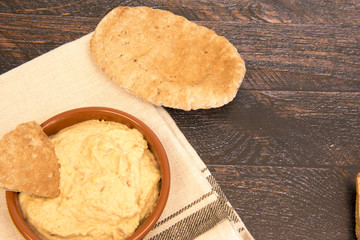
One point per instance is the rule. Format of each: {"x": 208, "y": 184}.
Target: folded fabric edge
{"x": 221, "y": 208}
{"x": 222, "y": 230}
{"x": 204, "y": 212}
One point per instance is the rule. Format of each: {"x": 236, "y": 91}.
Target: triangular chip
{"x": 28, "y": 162}
{"x": 166, "y": 59}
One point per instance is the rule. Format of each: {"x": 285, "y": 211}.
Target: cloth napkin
{"x": 67, "y": 78}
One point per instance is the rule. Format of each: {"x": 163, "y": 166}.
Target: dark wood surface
{"x": 286, "y": 150}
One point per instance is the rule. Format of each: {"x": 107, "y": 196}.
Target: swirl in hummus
{"x": 109, "y": 183}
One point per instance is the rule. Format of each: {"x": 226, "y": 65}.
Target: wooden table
{"x": 286, "y": 150}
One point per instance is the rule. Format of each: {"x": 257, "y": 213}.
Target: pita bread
{"x": 28, "y": 162}
{"x": 166, "y": 59}
{"x": 357, "y": 207}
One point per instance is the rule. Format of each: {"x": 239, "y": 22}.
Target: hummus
{"x": 109, "y": 184}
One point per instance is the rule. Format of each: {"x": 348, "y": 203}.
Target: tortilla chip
{"x": 28, "y": 162}
{"x": 166, "y": 59}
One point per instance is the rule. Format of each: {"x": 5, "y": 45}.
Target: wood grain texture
{"x": 282, "y": 48}
{"x": 316, "y": 49}
{"x": 287, "y": 128}
{"x": 283, "y": 11}
{"x": 24, "y": 37}
{"x": 259, "y": 78}
{"x": 286, "y": 150}
{"x": 291, "y": 203}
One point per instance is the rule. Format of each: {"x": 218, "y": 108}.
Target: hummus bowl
{"x": 71, "y": 117}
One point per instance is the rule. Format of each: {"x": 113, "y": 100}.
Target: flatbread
{"x": 28, "y": 162}
{"x": 357, "y": 207}
{"x": 166, "y": 59}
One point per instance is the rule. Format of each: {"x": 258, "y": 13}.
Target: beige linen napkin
{"x": 67, "y": 78}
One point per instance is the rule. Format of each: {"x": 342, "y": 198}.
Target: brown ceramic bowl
{"x": 65, "y": 119}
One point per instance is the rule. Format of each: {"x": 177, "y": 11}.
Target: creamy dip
{"x": 109, "y": 183}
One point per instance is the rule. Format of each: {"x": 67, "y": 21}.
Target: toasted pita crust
{"x": 166, "y": 59}
{"x": 28, "y": 162}
{"x": 357, "y": 208}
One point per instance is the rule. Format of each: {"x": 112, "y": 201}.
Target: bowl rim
{"x": 108, "y": 114}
